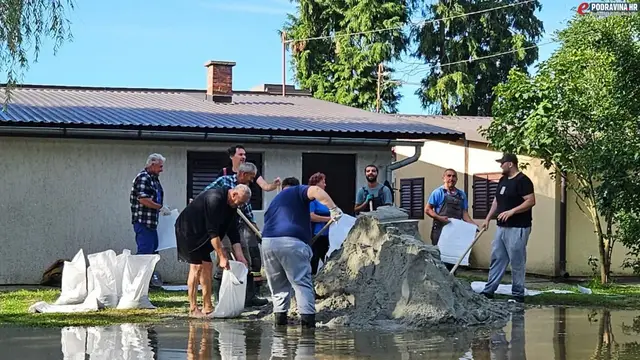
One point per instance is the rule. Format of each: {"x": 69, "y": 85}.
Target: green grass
{"x": 172, "y": 305}
{"x": 14, "y": 307}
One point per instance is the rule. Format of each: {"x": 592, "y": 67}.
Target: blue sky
{"x": 165, "y": 43}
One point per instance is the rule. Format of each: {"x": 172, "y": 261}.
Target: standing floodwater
{"x": 548, "y": 333}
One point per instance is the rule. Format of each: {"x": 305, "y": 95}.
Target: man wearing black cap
{"x": 513, "y": 202}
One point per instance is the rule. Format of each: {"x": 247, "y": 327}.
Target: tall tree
{"x": 344, "y": 68}
{"x": 580, "y": 115}
{"x": 23, "y": 25}
{"x": 466, "y": 88}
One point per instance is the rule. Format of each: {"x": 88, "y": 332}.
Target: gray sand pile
{"x": 383, "y": 277}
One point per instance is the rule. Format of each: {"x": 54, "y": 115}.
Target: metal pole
{"x": 284, "y": 62}
{"x": 379, "y": 83}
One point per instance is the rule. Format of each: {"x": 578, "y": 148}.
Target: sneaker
{"x": 156, "y": 281}
{"x": 487, "y": 295}
{"x": 517, "y": 299}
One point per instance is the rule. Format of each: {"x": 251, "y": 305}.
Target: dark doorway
{"x": 340, "y": 170}
{"x": 203, "y": 168}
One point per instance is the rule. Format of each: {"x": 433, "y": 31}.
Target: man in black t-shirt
{"x": 200, "y": 229}
{"x": 513, "y": 202}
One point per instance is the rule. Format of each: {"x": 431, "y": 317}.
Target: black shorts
{"x": 193, "y": 256}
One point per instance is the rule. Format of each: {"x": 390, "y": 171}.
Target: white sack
{"x": 338, "y": 232}
{"x": 73, "y": 340}
{"x": 103, "y": 268}
{"x": 90, "y": 285}
{"x": 232, "y": 291}
{"x": 167, "y": 231}
{"x": 74, "y": 281}
{"x": 135, "y": 342}
{"x": 455, "y": 239}
{"x": 137, "y": 274}
{"x": 504, "y": 289}
{"x": 90, "y": 304}
{"x": 120, "y": 263}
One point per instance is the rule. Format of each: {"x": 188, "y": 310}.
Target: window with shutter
{"x": 412, "y": 197}
{"x": 484, "y": 190}
{"x": 203, "y": 168}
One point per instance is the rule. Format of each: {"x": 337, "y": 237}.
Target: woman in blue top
{"x": 319, "y": 218}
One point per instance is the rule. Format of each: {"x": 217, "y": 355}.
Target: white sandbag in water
{"x": 232, "y": 291}
{"x": 121, "y": 260}
{"x": 136, "y": 277}
{"x": 73, "y": 341}
{"x": 74, "y": 281}
{"x": 103, "y": 268}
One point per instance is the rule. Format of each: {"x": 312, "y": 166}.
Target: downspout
{"x": 563, "y": 226}
{"x": 466, "y": 166}
{"x": 404, "y": 162}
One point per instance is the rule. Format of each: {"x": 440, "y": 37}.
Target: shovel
{"x": 325, "y": 227}
{"x": 249, "y": 223}
{"x": 465, "y": 253}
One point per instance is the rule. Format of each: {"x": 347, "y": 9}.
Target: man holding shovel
{"x": 513, "y": 203}
{"x": 246, "y": 174}
{"x": 285, "y": 246}
{"x": 200, "y": 229}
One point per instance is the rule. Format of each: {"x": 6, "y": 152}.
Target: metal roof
{"x": 190, "y": 110}
{"x": 469, "y": 125}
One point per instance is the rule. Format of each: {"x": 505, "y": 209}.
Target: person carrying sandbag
{"x": 200, "y": 229}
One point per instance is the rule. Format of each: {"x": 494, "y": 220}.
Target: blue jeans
{"x": 508, "y": 246}
{"x": 146, "y": 239}
{"x": 287, "y": 264}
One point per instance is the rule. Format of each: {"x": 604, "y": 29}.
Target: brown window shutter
{"x": 412, "y": 197}
{"x": 203, "y": 168}
{"x": 484, "y": 190}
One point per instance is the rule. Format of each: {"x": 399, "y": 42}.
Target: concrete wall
{"x": 584, "y": 242}
{"x": 437, "y": 156}
{"x": 62, "y": 195}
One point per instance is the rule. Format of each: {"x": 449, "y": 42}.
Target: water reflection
{"x": 561, "y": 334}
{"x": 126, "y": 341}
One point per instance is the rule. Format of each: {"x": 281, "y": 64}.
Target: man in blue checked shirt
{"x": 246, "y": 174}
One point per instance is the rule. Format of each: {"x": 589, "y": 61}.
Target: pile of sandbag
{"x": 109, "y": 281}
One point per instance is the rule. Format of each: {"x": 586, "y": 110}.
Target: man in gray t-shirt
{"x": 374, "y": 194}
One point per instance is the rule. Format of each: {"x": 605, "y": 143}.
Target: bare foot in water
{"x": 196, "y": 313}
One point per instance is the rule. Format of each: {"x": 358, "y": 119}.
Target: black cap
{"x": 506, "y": 157}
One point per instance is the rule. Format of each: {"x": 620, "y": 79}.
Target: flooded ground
{"x": 547, "y": 333}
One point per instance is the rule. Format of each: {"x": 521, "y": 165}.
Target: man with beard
{"x": 447, "y": 202}
{"x": 513, "y": 202}
{"x": 373, "y": 195}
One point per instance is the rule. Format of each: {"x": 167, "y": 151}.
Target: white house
{"x": 68, "y": 156}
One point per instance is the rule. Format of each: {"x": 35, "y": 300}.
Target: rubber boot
{"x": 280, "y": 318}
{"x": 217, "y": 283}
{"x": 308, "y": 321}
{"x": 251, "y": 297}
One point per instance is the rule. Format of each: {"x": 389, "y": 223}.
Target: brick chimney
{"x": 219, "y": 80}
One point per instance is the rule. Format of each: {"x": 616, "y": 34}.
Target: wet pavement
{"x": 538, "y": 333}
